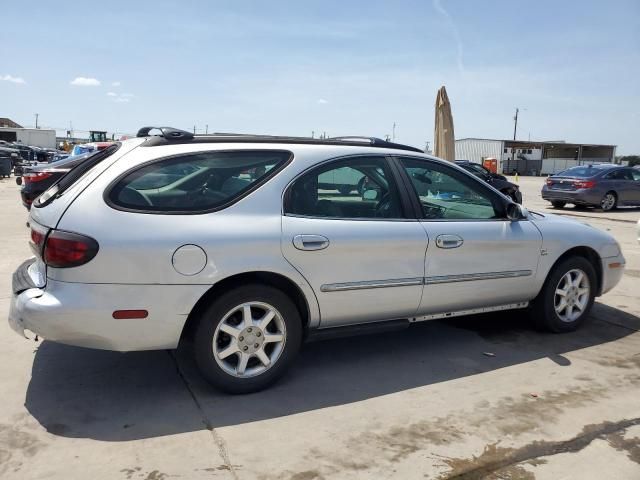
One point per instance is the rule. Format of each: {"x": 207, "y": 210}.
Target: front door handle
{"x": 449, "y": 241}
{"x": 310, "y": 242}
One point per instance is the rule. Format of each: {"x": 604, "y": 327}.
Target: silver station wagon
{"x": 248, "y": 245}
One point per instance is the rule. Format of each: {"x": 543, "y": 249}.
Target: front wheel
{"x": 566, "y": 296}
{"x": 247, "y": 338}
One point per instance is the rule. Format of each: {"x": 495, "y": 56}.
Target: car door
{"x": 359, "y": 249}
{"x": 476, "y": 258}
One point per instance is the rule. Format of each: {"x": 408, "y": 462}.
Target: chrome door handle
{"x": 310, "y": 242}
{"x": 449, "y": 241}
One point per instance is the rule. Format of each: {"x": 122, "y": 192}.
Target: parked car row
{"x": 244, "y": 246}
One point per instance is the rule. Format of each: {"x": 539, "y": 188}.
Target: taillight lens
{"x": 33, "y": 177}
{"x": 584, "y": 184}
{"x": 549, "y": 182}
{"x": 38, "y": 236}
{"x": 66, "y": 249}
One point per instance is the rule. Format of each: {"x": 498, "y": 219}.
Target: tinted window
{"x": 447, "y": 194}
{"x": 635, "y": 174}
{"x": 195, "y": 182}
{"x": 359, "y": 187}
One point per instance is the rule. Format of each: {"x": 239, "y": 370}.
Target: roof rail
{"x": 167, "y": 132}
{"x": 173, "y": 135}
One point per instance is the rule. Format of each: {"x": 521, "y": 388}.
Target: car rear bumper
{"x": 582, "y": 196}
{"x": 82, "y": 314}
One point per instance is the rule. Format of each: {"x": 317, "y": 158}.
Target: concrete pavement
{"x": 427, "y": 402}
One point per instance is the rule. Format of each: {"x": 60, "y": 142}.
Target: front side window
{"x": 355, "y": 188}
{"x": 446, "y": 194}
{"x": 196, "y": 182}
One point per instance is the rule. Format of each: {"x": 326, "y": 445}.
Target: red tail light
{"x": 549, "y": 182}
{"x": 584, "y": 184}
{"x": 38, "y": 236}
{"x": 66, "y": 249}
{"x": 33, "y": 177}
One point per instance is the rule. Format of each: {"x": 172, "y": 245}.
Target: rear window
{"x": 80, "y": 165}
{"x": 580, "y": 172}
{"x": 195, "y": 183}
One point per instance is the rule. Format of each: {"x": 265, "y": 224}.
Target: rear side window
{"x": 196, "y": 182}
{"x": 79, "y": 166}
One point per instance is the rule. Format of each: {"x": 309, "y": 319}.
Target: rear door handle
{"x": 310, "y": 242}
{"x": 449, "y": 241}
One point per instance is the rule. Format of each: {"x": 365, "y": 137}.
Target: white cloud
{"x": 85, "y": 82}
{"x": 322, "y": 101}
{"x": 12, "y": 79}
{"x": 115, "y": 84}
{"x": 123, "y": 100}
{"x": 112, "y": 94}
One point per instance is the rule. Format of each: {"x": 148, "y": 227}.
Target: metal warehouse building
{"x": 532, "y": 158}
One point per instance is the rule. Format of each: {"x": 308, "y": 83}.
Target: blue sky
{"x": 293, "y": 67}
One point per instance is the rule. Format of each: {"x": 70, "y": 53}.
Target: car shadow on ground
{"x": 108, "y": 396}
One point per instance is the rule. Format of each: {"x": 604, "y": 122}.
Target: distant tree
{"x": 632, "y": 159}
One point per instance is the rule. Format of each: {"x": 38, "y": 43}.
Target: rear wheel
{"x": 566, "y": 296}
{"x": 609, "y": 201}
{"x": 558, "y": 204}
{"x": 247, "y": 338}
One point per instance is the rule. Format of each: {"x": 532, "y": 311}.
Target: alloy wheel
{"x": 572, "y": 295}
{"x": 608, "y": 201}
{"x": 249, "y": 339}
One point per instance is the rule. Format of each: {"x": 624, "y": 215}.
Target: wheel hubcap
{"x": 249, "y": 339}
{"x": 608, "y": 201}
{"x": 572, "y": 295}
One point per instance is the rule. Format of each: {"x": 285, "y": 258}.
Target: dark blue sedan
{"x": 606, "y": 186}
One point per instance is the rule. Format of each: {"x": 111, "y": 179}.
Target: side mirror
{"x": 516, "y": 212}
{"x": 370, "y": 195}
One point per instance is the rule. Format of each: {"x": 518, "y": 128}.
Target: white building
{"x": 532, "y": 158}
{"x": 36, "y": 137}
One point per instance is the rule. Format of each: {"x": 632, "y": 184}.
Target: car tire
{"x": 609, "y": 201}
{"x": 558, "y": 204}
{"x": 227, "y": 312}
{"x": 577, "y": 278}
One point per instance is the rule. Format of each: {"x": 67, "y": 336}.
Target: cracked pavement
{"x": 422, "y": 403}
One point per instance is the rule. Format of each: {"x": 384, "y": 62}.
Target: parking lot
{"x": 474, "y": 397}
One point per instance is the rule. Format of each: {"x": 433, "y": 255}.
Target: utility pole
{"x": 36, "y": 120}
{"x": 513, "y": 148}
{"x": 393, "y": 133}
{"x": 312, "y": 133}
{"x": 206, "y": 129}
{"x": 194, "y": 129}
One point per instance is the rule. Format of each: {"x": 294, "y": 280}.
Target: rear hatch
{"x": 48, "y": 210}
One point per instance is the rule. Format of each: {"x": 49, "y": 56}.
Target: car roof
{"x": 172, "y": 136}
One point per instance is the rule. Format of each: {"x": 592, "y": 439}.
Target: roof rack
{"x": 169, "y": 135}
{"x": 167, "y": 132}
